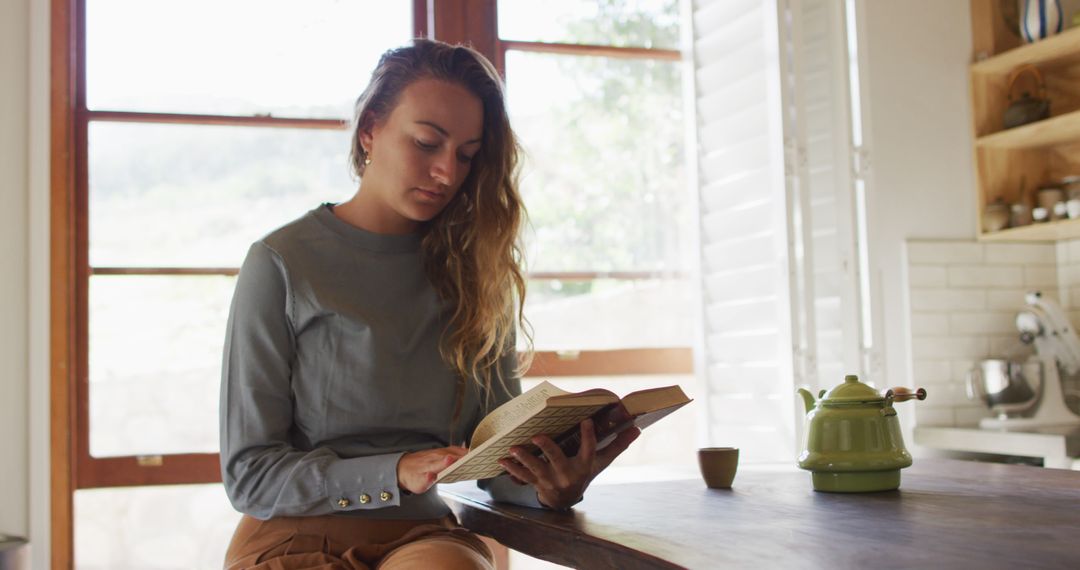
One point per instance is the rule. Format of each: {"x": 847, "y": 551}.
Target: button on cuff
{"x": 354, "y": 483}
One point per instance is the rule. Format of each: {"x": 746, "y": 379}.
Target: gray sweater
{"x": 332, "y": 372}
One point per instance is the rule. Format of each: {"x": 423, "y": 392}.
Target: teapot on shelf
{"x": 1027, "y": 107}
{"x": 853, "y": 442}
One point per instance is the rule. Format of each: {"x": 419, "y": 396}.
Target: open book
{"x": 557, "y": 413}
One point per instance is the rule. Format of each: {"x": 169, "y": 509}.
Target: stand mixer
{"x": 1044, "y": 324}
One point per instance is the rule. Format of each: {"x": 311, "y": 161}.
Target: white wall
{"x": 14, "y": 105}
{"x": 918, "y": 129}
{"x": 24, "y": 287}
{"x": 38, "y": 281}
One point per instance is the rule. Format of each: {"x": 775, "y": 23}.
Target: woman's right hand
{"x": 416, "y": 471}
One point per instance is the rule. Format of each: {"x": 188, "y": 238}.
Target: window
{"x": 197, "y": 128}
{"x": 596, "y": 95}
{"x": 183, "y": 132}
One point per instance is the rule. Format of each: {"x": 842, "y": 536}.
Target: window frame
{"x": 72, "y": 467}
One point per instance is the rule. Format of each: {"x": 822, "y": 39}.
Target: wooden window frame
{"x": 72, "y": 467}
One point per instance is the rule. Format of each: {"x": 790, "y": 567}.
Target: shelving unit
{"x": 1011, "y": 164}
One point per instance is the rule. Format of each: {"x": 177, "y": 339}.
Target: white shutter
{"x": 818, "y": 126}
{"x": 779, "y": 263}
{"x": 746, "y": 366}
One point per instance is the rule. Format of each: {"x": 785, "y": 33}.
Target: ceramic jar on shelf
{"x": 995, "y": 216}
{"x": 1040, "y": 19}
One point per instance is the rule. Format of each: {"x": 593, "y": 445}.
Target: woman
{"x": 366, "y": 339}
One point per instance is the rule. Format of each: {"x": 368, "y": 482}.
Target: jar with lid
{"x": 1048, "y": 198}
{"x": 1070, "y": 185}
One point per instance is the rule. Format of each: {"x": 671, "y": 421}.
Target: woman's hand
{"x": 561, "y": 481}
{"x": 416, "y": 471}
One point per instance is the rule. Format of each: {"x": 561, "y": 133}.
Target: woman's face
{"x": 421, "y": 153}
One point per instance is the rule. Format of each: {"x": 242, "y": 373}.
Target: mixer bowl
{"x": 1008, "y": 388}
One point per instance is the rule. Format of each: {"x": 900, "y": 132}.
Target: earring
{"x": 367, "y": 159}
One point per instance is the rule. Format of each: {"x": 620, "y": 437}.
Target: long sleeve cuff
{"x": 363, "y": 483}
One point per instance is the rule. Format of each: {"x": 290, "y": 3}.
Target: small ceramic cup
{"x": 1072, "y": 208}
{"x": 718, "y": 466}
{"x": 1047, "y": 197}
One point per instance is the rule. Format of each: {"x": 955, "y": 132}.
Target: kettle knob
{"x": 902, "y": 394}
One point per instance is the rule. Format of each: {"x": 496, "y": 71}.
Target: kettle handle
{"x": 901, "y": 394}
{"x": 1027, "y": 68}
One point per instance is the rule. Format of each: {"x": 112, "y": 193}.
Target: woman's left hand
{"x": 561, "y": 481}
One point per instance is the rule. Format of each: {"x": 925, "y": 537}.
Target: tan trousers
{"x": 347, "y": 543}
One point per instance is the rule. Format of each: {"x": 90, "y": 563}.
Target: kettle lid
{"x": 851, "y": 391}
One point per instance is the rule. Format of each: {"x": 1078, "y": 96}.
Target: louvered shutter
{"x": 818, "y": 128}
{"x": 743, "y": 265}
{"x": 778, "y": 264}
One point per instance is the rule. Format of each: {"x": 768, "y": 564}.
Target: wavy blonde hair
{"x": 471, "y": 250}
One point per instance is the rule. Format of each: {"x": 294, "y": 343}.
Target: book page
{"x": 483, "y": 461}
{"x": 506, "y": 416}
{"x": 643, "y": 401}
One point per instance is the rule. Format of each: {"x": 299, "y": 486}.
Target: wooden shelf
{"x": 1065, "y": 45}
{"x": 1011, "y": 164}
{"x": 1055, "y": 130}
{"x": 1047, "y": 232}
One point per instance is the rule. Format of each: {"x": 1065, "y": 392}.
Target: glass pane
{"x": 603, "y": 179}
{"x": 242, "y": 57}
{"x": 625, "y": 23}
{"x": 606, "y": 314}
{"x": 187, "y": 195}
{"x": 151, "y": 528}
{"x": 155, "y": 363}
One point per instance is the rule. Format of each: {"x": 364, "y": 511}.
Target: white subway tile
{"x": 982, "y": 323}
{"x": 1065, "y": 299}
{"x": 931, "y": 371}
{"x": 926, "y": 276}
{"x": 1039, "y": 276}
{"x": 1071, "y": 297}
{"x": 929, "y": 324}
{"x": 951, "y": 347}
{"x": 1019, "y": 253}
{"x": 1073, "y": 315}
{"x": 928, "y": 415}
{"x": 1073, "y": 247}
{"x": 969, "y": 416}
{"x": 1069, "y": 275}
{"x": 946, "y": 394}
{"x": 1006, "y": 299}
{"x": 989, "y": 277}
{"x": 944, "y": 252}
{"x": 947, "y": 299}
{"x": 960, "y": 368}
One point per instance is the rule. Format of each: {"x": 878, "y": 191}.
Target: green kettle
{"x": 853, "y": 441}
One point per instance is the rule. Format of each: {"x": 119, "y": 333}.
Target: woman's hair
{"x": 471, "y": 250}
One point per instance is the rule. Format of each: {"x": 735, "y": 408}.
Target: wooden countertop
{"x": 946, "y": 514}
